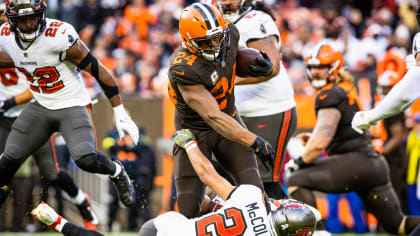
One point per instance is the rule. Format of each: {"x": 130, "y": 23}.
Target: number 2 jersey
{"x": 54, "y": 82}
{"x": 217, "y": 77}
{"x": 243, "y": 213}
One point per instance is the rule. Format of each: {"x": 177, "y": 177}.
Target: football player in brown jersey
{"x": 352, "y": 163}
{"x": 201, "y": 78}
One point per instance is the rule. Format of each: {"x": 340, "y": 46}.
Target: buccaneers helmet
{"x": 19, "y": 9}
{"x": 292, "y": 218}
{"x": 203, "y": 30}
{"x": 324, "y": 54}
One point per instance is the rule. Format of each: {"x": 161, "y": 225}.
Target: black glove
{"x": 263, "y": 68}
{"x": 6, "y": 104}
{"x": 264, "y": 152}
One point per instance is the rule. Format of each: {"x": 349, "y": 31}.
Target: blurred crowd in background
{"x": 134, "y": 39}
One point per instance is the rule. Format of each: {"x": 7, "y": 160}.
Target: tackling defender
{"x": 49, "y": 53}
{"x": 243, "y": 213}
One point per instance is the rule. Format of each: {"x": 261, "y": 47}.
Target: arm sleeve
{"x": 401, "y": 96}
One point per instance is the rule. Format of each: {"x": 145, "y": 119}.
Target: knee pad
{"x": 148, "y": 229}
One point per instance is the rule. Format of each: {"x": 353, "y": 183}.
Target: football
{"x": 245, "y": 58}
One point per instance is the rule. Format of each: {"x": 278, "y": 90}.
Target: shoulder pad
{"x": 62, "y": 34}
{"x": 329, "y": 97}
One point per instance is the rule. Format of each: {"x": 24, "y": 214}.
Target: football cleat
{"x": 89, "y": 217}
{"x": 44, "y": 213}
{"x": 124, "y": 187}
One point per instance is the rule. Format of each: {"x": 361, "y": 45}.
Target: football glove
{"x": 263, "y": 68}
{"x": 295, "y": 164}
{"x": 7, "y": 104}
{"x": 361, "y": 122}
{"x": 125, "y": 124}
{"x": 184, "y": 137}
{"x": 264, "y": 151}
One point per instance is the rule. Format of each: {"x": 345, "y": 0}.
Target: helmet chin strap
{"x": 28, "y": 37}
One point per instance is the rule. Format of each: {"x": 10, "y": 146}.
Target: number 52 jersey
{"x": 243, "y": 213}
{"x": 54, "y": 82}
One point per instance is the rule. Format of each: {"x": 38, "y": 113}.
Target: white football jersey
{"x": 243, "y": 213}
{"x": 55, "y": 83}
{"x": 269, "y": 97}
{"x": 416, "y": 44}
{"x": 12, "y": 83}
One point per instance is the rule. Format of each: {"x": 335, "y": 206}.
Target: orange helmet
{"x": 203, "y": 30}
{"x": 324, "y": 54}
{"x": 391, "y": 61}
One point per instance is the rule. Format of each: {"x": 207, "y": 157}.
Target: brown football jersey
{"x": 344, "y": 97}
{"x": 217, "y": 77}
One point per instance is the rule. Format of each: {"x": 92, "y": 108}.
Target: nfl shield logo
{"x": 25, "y": 55}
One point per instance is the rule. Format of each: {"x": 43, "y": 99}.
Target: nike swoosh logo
{"x": 261, "y": 126}
{"x": 322, "y": 97}
{"x": 64, "y": 31}
{"x": 180, "y": 73}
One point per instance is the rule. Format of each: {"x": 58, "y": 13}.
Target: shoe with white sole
{"x": 44, "y": 213}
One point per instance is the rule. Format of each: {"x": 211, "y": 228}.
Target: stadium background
{"x": 134, "y": 39}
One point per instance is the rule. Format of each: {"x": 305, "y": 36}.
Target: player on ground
{"x": 352, "y": 163}
{"x": 201, "y": 76}
{"x": 243, "y": 213}
{"x": 265, "y": 104}
{"x": 48, "y": 52}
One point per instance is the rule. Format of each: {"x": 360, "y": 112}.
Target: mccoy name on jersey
{"x": 243, "y": 213}
{"x": 217, "y": 77}
{"x": 54, "y": 82}
{"x": 269, "y": 97}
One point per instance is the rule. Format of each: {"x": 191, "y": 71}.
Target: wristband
{"x": 190, "y": 146}
{"x": 300, "y": 163}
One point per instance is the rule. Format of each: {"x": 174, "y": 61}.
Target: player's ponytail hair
{"x": 345, "y": 75}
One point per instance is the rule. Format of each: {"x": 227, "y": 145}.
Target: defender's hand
{"x": 263, "y": 68}
{"x": 184, "y": 137}
{"x": 295, "y": 164}
{"x": 361, "y": 122}
{"x": 125, "y": 124}
{"x": 264, "y": 152}
{"x": 7, "y": 104}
